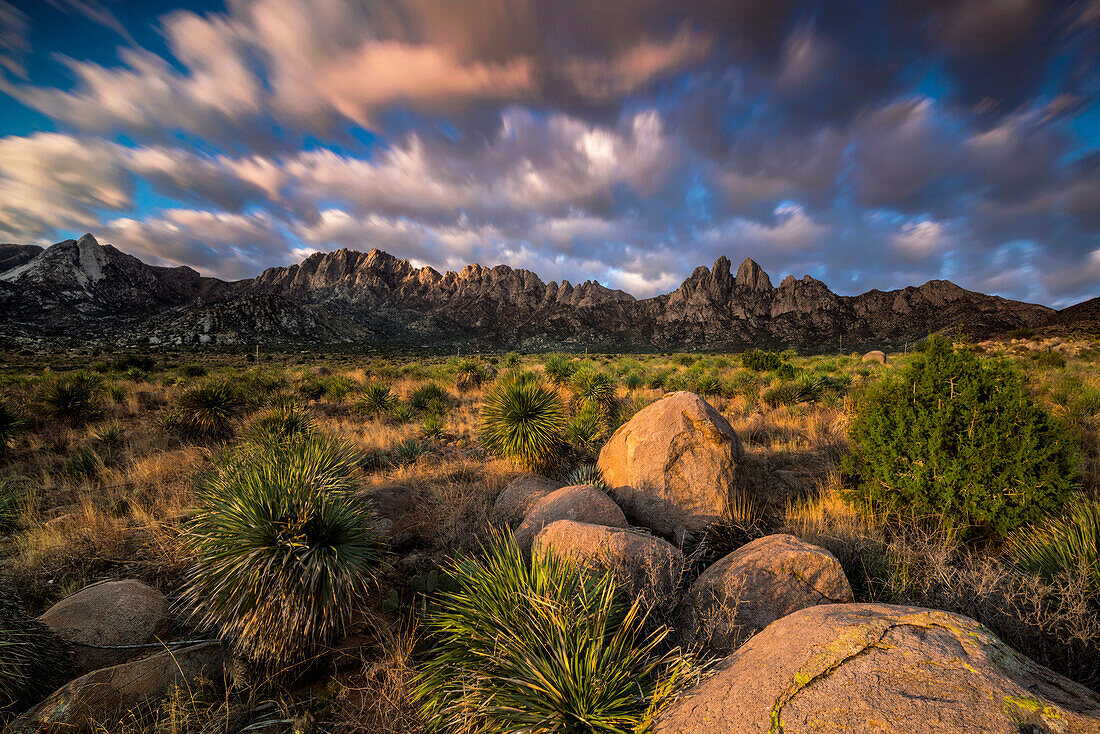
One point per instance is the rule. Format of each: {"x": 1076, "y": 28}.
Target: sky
{"x": 870, "y": 144}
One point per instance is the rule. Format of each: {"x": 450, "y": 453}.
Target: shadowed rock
{"x": 582, "y": 503}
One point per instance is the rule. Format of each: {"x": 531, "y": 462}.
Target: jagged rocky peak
{"x": 750, "y": 275}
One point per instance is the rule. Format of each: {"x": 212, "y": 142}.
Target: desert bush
{"x": 522, "y": 421}
{"x": 142, "y": 362}
{"x": 429, "y": 397}
{"x": 117, "y": 393}
{"x": 594, "y": 388}
{"x": 1049, "y": 359}
{"x": 708, "y": 386}
{"x": 12, "y": 421}
{"x": 541, "y": 646}
{"x": 313, "y": 388}
{"x": 193, "y": 370}
{"x": 338, "y": 387}
{"x": 401, "y": 413}
{"x": 74, "y": 399}
{"x": 206, "y": 412}
{"x": 1021, "y": 333}
{"x": 407, "y": 451}
{"x": 283, "y": 550}
{"x": 957, "y": 440}
{"x": 12, "y": 503}
{"x": 84, "y": 464}
{"x": 559, "y": 369}
{"x": 586, "y": 474}
{"x": 783, "y": 393}
{"x": 658, "y": 378}
{"x": 1062, "y": 547}
{"x": 760, "y": 361}
{"x": 376, "y": 400}
{"x": 511, "y": 360}
{"x": 633, "y": 381}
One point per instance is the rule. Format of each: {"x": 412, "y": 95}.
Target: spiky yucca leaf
{"x": 558, "y": 368}
{"x": 12, "y": 421}
{"x": 284, "y": 421}
{"x": 594, "y": 388}
{"x": 469, "y": 375}
{"x": 543, "y": 646}
{"x": 33, "y": 660}
{"x": 429, "y": 398}
{"x": 376, "y": 400}
{"x": 586, "y": 474}
{"x": 1062, "y": 545}
{"x": 522, "y": 421}
{"x": 282, "y": 549}
{"x": 587, "y": 429}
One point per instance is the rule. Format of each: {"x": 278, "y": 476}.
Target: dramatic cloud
{"x": 870, "y": 144}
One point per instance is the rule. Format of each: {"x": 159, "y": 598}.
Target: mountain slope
{"x": 375, "y": 299}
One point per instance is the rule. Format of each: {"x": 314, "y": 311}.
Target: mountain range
{"x": 80, "y": 292}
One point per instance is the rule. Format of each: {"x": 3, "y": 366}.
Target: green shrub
{"x": 511, "y": 360}
{"x": 135, "y": 374}
{"x": 1021, "y": 333}
{"x": 193, "y": 370}
{"x": 594, "y": 388}
{"x": 111, "y": 440}
{"x": 142, "y": 362}
{"x": 540, "y": 647}
{"x": 13, "y": 500}
{"x": 1049, "y": 359}
{"x": 376, "y": 400}
{"x": 408, "y": 451}
{"x": 760, "y": 361}
{"x": 708, "y": 385}
{"x": 1062, "y": 547}
{"x": 206, "y": 412}
{"x": 786, "y": 371}
{"x": 633, "y": 381}
{"x": 313, "y": 388}
{"x": 559, "y": 369}
{"x": 12, "y": 421}
{"x": 338, "y": 387}
{"x": 958, "y": 441}
{"x": 283, "y": 550}
{"x": 658, "y": 379}
{"x": 401, "y": 413}
{"x": 74, "y": 399}
{"x": 117, "y": 393}
{"x": 783, "y": 393}
{"x": 522, "y": 421}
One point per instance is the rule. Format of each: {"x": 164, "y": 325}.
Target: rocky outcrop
{"x": 109, "y": 613}
{"x": 757, "y": 584}
{"x": 875, "y": 356}
{"x": 644, "y": 565}
{"x": 521, "y": 494}
{"x": 673, "y": 465}
{"x": 889, "y": 669}
{"x": 583, "y": 503}
{"x": 93, "y": 701}
{"x": 373, "y": 298}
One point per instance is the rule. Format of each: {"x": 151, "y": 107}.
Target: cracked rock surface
{"x": 885, "y": 669}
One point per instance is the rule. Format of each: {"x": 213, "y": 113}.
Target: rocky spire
{"x": 751, "y": 275}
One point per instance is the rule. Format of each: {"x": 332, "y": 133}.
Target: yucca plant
{"x": 33, "y": 660}
{"x": 469, "y": 375}
{"x": 193, "y": 370}
{"x": 708, "y": 386}
{"x": 408, "y": 451}
{"x": 74, "y": 399}
{"x": 12, "y": 421}
{"x": 84, "y": 464}
{"x": 206, "y": 412}
{"x": 376, "y": 400}
{"x": 594, "y": 388}
{"x": 433, "y": 426}
{"x": 559, "y": 369}
{"x": 522, "y": 421}
{"x": 587, "y": 429}
{"x": 401, "y": 413}
{"x": 117, "y": 393}
{"x": 1062, "y": 546}
{"x": 282, "y": 548}
{"x": 511, "y": 360}
{"x": 429, "y": 398}
{"x": 12, "y": 503}
{"x": 543, "y": 646}
{"x": 808, "y": 387}
{"x": 586, "y": 474}
{"x": 633, "y": 381}
{"x": 279, "y": 423}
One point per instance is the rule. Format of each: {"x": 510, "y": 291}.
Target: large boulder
{"x": 882, "y": 668}
{"x": 757, "y": 584}
{"x": 108, "y": 613}
{"x": 875, "y": 356}
{"x": 92, "y": 701}
{"x": 521, "y": 494}
{"x": 582, "y": 503}
{"x": 673, "y": 465}
{"x": 647, "y": 566}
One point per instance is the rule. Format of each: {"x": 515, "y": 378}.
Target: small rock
{"x": 645, "y": 564}
{"x": 400, "y": 512}
{"x": 521, "y": 494}
{"x": 875, "y": 356}
{"x": 757, "y": 584}
{"x": 108, "y": 613}
{"x": 99, "y": 696}
{"x": 582, "y": 503}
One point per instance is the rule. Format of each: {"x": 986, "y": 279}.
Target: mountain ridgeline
{"x": 79, "y": 291}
